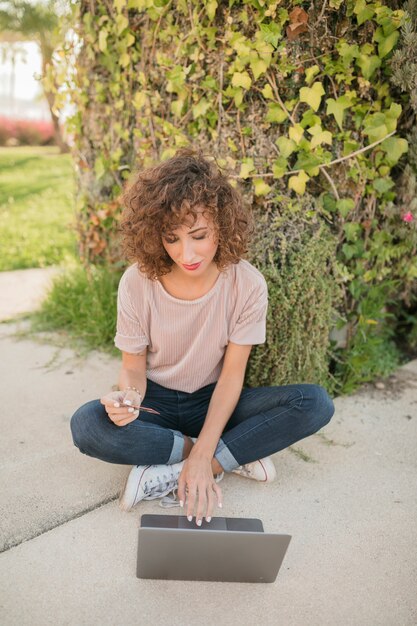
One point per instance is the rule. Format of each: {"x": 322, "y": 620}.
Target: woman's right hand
{"x": 122, "y": 407}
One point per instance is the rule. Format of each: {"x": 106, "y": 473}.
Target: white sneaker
{"x": 262, "y": 470}
{"x": 148, "y": 482}
{"x": 168, "y": 502}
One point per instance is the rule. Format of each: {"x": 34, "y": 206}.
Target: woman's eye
{"x": 175, "y": 240}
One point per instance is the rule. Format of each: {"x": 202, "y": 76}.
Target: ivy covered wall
{"x": 296, "y": 100}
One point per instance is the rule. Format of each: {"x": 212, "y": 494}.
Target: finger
{"x": 127, "y": 420}
{"x": 211, "y": 500}
{"x": 201, "y": 504}
{"x": 181, "y": 490}
{"x": 124, "y": 410}
{"x": 191, "y": 498}
{"x": 132, "y": 398}
{"x": 219, "y": 495}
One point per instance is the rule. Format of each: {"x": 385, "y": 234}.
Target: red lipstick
{"x": 192, "y": 267}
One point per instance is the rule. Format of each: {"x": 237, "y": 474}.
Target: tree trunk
{"x": 46, "y": 54}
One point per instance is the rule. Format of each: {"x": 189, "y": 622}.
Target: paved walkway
{"x": 347, "y": 496}
{"x": 23, "y": 290}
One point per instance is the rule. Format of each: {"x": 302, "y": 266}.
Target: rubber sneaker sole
{"x": 129, "y": 492}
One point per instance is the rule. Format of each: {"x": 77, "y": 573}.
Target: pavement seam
{"x": 9, "y": 546}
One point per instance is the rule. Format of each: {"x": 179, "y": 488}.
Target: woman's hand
{"x": 122, "y": 407}
{"x": 196, "y": 481}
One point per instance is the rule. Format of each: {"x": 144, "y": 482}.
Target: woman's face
{"x": 190, "y": 245}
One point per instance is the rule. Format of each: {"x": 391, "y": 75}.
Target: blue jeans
{"x": 265, "y": 420}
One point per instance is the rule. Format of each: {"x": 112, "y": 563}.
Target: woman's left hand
{"x": 197, "y": 482}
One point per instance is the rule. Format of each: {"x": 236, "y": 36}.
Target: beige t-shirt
{"x": 187, "y": 339}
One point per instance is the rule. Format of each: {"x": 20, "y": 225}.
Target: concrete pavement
{"x": 347, "y": 496}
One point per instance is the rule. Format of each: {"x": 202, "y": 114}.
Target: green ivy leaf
{"x": 296, "y": 133}
{"x": 267, "y": 92}
{"x": 329, "y": 202}
{"x": 347, "y": 52}
{"x": 393, "y": 113}
{"x": 383, "y": 184}
{"x": 279, "y": 167}
{"x": 232, "y": 146}
{"x": 308, "y": 162}
{"x": 177, "y": 106}
{"x": 363, "y": 11}
{"x": 337, "y": 108}
{"x": 241, "y": 79}
{"x": 124, "y": 59}
{"x": 395, "y": 147}
{"x": 258, "y": 66}
{"x": 139, "y": 100}
{"x": 201, "y": 108}
{"x": 211, "y": 7}
{"x": 387, "y": 44}
{"x": 298, "y": 183}
{"x": 102, "y": 40}
{"x": 275, "y": 113}
{"x": 368, "y": 64}
{"x": 352, "y": 231}
{"x": 312, "y": 95}
{"x": 130, "y": 40}
{"x": 261, "y": 188}
{"x": 376, "y": 127}
{"x": 122, "y": 22}
{"x": 309, "y": 119}
{"x": 311, "y": 72}
{"x": 247, "y": 166}
{"x": 319, "y": 136}
{"x": 345, "y": 205}
{"x": 271, "y": 33}
{"x": 286, "y": 146}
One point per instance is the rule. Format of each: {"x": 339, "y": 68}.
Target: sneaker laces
{"x": 244, "y": 469}
{"x": 169, "y": 502}
{"x": 165, "y": 483}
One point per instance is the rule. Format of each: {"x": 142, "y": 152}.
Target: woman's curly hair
{"x": 160, "y": 199}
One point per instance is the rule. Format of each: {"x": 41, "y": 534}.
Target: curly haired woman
{"x": 190, "y": 307}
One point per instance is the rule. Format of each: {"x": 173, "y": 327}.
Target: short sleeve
{"x": 130, "y": 336}
{"x": 250, "y": 327}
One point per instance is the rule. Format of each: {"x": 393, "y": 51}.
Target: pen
{"x": 144, "y": 408}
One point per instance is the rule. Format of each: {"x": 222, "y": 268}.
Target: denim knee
{"x": 82, "y": 422}
{"x": 324, "y": 405}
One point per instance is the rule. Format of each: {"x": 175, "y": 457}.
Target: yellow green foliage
{"x": 296, "y": 103}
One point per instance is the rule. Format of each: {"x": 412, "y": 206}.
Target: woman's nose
{"x": 187, "y": 253}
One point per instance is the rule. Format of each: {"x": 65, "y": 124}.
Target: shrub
{"x": 15, "y": 132}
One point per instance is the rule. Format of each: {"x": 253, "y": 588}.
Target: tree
{"x": 21, "y": 20}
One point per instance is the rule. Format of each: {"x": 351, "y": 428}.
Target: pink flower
{"x": 408, "y": 217}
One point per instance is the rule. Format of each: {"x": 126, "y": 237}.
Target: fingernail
{"x": 199, "y": 522}
{"x": 190, "y": 518}
{"x": 208, "y": 519}
{"x": 131, "y": 410}
{"x": 220, "y": 505}
{"x": 128, "y": 402}
{"x": 181, "y": 503}
{"x": 116, "y": 405}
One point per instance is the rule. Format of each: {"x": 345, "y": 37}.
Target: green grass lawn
{"x": 36, "y": 207}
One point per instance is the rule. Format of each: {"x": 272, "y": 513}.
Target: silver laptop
{"x": 227, "y": 549}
